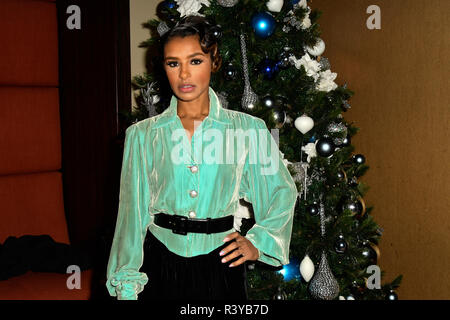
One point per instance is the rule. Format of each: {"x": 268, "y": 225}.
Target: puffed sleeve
{"x": 268, "y": 185}
{"x": 126, "y": 257}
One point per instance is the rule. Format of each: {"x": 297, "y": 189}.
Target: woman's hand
{"x": 243, "y": 247}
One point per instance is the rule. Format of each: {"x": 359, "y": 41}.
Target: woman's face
{"x": 187, "y": 67}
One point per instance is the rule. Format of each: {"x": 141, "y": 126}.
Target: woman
{"x": 177, "y": 201}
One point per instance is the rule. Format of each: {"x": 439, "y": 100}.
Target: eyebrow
{"x": 190, "y": 56}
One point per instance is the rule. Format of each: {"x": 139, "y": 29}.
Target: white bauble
{"x": 318, "y": 49}
{"x": 307, "y": 268}
{"x": 304, "y": 123}
{"x": 341, "y": 298}
{"x": 274, "y": 5}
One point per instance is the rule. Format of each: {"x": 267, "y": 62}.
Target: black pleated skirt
{"x": 202, "y": 277}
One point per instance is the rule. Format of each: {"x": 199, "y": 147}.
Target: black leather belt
{"x": 183, "y": 225}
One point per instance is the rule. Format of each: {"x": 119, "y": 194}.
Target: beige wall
{"x": 401, "y": 103}
{"x": 140, "y": 12}
{"x": 400, "y": 75}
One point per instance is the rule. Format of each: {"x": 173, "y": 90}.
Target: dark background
{"x": 94, "y": 77}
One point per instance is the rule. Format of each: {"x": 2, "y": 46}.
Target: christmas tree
{"x": 273, "y": 68}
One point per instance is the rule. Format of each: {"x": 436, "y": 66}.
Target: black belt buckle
{"x": 179, "y": 225}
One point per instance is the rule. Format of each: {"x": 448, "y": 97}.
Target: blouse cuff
{"x": 263, "y": 257}
{"x": 126, "y": 285}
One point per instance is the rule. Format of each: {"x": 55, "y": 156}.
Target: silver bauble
{"x": 162, "y": 28}
{"x": 323, "y": 285}
{"x": 280, "y": 295}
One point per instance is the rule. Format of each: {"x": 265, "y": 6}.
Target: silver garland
{"x": 249, "y": 98}
{"x": 227, "y": 3}
{"x": 301, "y": 176}
{"x": 324, "y": 64}
{"x": 223, "y": 99}
{"x": 338, "y": 128}
{"x": 323, "y": 285}
{"x": 150, "y": 98}
{"x": 292, "y": 20}
{"x": 322, "y": 218}
{"x": 305, "y": 167}
{"x": 346, "y": 105}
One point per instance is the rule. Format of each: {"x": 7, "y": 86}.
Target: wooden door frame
{"x": 94, "y": 84}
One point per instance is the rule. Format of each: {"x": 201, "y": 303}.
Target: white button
{"x": 193, "y": 193}
{"x": 192, "y": 214}
{"x": 194, "y": 169}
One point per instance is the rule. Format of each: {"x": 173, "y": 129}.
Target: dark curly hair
{"x": 196, "y": 25}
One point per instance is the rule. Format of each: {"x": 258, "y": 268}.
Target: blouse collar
{"x": 216, "y": 112}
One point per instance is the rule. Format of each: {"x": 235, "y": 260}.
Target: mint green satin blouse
{"x": 157, "y": 176}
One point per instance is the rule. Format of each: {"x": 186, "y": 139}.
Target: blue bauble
{"x": 294, "y": 1}
{"x": 170, "y": 4}
{"x": 269, "y": 68}
{"x": 292, "y": 270}
{"x": 263, "y": 24}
